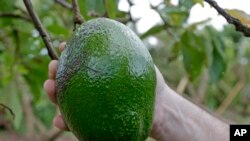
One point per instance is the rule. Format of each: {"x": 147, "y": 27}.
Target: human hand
{"x": 49, "y": 87}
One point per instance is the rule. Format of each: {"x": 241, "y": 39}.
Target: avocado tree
{"x": 197, "y": 60}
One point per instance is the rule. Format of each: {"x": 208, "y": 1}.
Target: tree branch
{"x": 231, "y": 20}
{"x": 228, "y": 100}
{"x": 42, "y": 31}
{"x": 64, "y": 4}
{"x": 166, "y": 24}
{"x": 202, "y": 88}
{"x": 77, "y": 17}
{"x": 6, "y": 107}
{"x": 55, "y": 135}
{"x": 182, "y": 85}
{"x": 11, "y": 15}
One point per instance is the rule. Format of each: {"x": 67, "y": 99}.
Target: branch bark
{"x": 228, "y": 100}
{"x": 230, "y": 19}
{"x": 77, "y": 17}
{"x": 42, "y": 31}
{"x": 11, "y": 15}
{"x": 64, "y": 3}
{"x": 9, "y": 109}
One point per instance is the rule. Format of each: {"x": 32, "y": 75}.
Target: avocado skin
{"x": 105, "y": 83}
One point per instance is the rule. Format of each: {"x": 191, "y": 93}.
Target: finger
{"x": 59, "y": 123}
{"x": 62, "y": 46}
{"x": 49, "y": 87}
{"x": 53, "y": 69}
{"x": 160, "y": 84}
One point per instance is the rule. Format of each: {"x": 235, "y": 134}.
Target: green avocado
{"x": 106, "y": 83}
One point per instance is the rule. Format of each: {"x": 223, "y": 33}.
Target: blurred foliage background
{"x": 198, "y": 61}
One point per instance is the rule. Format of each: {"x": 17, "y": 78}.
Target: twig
{"x": 232, "y": 20}
{"x": 11, "y": 15}
{"x": 203, "y": 87}
{"x": 17, "y": 41}
{"x": 192, "y": 91}
{"x": 156, "y": 6}
{"x": 129, "y": 12}
{"x": 17, "y": 49}
{"x": 55, "y": 135}
{"x": 6, "y": 107}
{"x": 230, "y": 97}
{"x": 42, "y": 31}
{"x": 166, "y": 24}
{"x": 182, "y": 85}
{"x": 77, "y": 17}
{"x": 31, "y": 121}
{"x": 28, "y": 114}
{"x": 64, "y": 3}
{"x": 224, "y": 87}
{"x": 26, "y": 106}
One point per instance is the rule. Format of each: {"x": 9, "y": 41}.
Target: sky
{"x": 198, "y": 13}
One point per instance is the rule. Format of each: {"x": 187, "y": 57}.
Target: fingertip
{"x": 52, "y": 69}
{"x": 49, "y": 87}
{"x": 59, "y": 123}
{"x": 62, "y": 46}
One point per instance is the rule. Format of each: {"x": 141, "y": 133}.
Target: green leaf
{"x": 96, "y": 6}
{"x": 84, "y": 9}
{"x": 201, "y": 2}
{"x": 218, "y": 66}
{"x": 11, "y": 98}
{"x": 193, "y": 54}
{"x": 35, "y": 87}
{"x": 37, "y": 68}
{"x": 121, "y": 14}
{"x": 152, "y": 31}
{"x": 111, "y": 8}
{"x": 187, "y": 4}
{"x": 57, "y": 29}
{"x": 7, "y": 5}
{"x": 174, "y": 16}
{"x": 45, "y": 111}
{"x": 241, "y": 15}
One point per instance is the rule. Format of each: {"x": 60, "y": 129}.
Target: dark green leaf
{"x": 218, "y": 67}
{"x": 56, "y": 29}
{"x": 152, "y": 31}
{"x": 201, "y": 2}
{"x": 111, "y": 8}
{"x": 11, "y": 98}
{"x": 96, "y": 6}
{"x": 84, "y": 9}
{"x": 193, "y": 55}
{"x": 187, "y": 4}
{"x": 121, "y": 14}
{"x": 174, "y": 16}
{"x": 7, "y": 5}
{"x": 45, "y": 111}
